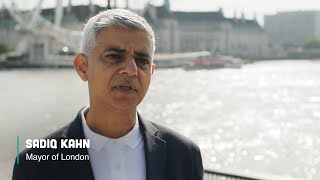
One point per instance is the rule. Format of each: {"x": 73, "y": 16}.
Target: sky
{"x": 250, "y": 8}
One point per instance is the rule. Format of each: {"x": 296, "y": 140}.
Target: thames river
{"x": 261, "y": 119}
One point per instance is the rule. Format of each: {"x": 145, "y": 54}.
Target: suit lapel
{"x": 154, "y": 150}
{"x": 76, "y": 169}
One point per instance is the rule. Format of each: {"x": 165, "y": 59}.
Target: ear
{"x": 153, "y": 66}
{"x": 81, "y": 65}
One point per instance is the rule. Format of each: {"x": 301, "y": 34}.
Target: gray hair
{"x": 112, "y": 17}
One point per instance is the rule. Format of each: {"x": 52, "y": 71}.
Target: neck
{"x": 112, "y": 124}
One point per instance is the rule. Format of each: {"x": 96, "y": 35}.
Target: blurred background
{"x": 241, "y": 78}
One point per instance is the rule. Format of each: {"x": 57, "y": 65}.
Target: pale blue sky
{"x": 230, "y": 7}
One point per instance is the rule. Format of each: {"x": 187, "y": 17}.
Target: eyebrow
{"x": 136, "y": 53}
{"x": 142, "y": 54}
{"x": 116, "y": 49}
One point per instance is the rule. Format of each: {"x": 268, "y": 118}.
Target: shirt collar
{"x": 97, "y": 141}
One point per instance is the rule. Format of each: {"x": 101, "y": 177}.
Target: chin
{"x": 125, "y": 106}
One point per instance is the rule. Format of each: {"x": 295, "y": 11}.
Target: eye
{"x": 113, "y": 56}
{"x": 142, "y": 61}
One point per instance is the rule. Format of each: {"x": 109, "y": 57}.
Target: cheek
{"x": 98, "y": 80}
{"x": 145, "y": 80}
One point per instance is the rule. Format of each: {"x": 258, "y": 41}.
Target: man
{"x": 116, "y": 58}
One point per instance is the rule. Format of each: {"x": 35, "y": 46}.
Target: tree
{"x": 310, "y": 44}
{"x": 4, "y": 48}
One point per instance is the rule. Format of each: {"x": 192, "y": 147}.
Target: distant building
{"x": 206, "y": 31}
{"x": 293, "y": 28}
{"x": 175, "y": 31}
{"x": 165, "y": 26}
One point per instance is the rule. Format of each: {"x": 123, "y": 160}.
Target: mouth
{"x": 125, "y": 88}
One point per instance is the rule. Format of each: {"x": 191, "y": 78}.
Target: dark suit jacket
{"x": 168, "y": 155}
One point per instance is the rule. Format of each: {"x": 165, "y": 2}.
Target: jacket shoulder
{"x": 182, "y": 154}
{"x": 173, "y": 137}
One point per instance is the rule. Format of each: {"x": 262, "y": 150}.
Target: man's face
{"x": 119, "y": 68}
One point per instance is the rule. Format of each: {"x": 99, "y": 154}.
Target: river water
{"x": 261, "y": 119}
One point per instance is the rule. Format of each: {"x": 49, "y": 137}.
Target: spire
{"x": 109, "y": 5}
{"x": 127, "y": 4}
{"x": 2, "y": 5}
{"x": 242, "y": 16}
{"x": 115, "y": 4}
{"x": 69, "y": 7}
{"x": 91, "y": 8}
{"x": 166, "y": 3}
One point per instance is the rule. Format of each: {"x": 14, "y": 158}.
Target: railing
{"x": 214, "y": 175}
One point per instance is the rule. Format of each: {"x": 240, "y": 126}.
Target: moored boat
{"x": 214, "y": 62}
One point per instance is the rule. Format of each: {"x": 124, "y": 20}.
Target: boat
{"x": 214, "y": 63}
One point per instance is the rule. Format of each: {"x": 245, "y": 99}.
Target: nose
{"x": 130, "y": 67}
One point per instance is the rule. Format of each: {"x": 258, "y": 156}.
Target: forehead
{"x": 124, "y": 38}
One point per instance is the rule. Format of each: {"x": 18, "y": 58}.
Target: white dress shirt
{"x": 116, "y": 159}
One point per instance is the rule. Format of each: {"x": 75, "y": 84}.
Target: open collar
{"x": 154, "y": 146}
{"x": 97, "y": 141}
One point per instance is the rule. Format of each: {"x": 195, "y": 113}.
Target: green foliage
{"x": 310, "y": 44}
{"x": 4, "y": 48}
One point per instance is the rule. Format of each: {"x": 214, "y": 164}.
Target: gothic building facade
{"x": 206, "y": 31}
{"x": 175, "y": 31}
